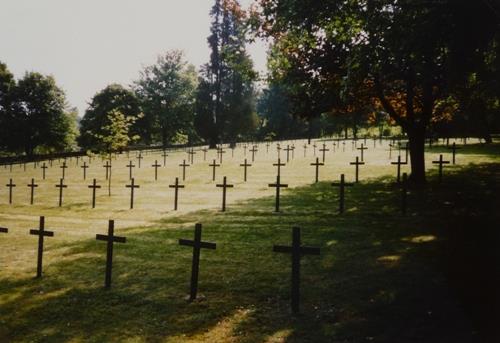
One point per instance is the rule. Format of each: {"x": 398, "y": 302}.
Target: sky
{"x": 88, "y": 44}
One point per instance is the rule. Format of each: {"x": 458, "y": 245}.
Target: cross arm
{"x": 4, "y": 229}
{"x": 116, "y": 239}
{"x": 43, "y": 233}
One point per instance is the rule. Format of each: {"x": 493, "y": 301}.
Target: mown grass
{"x": 381, "y": 276}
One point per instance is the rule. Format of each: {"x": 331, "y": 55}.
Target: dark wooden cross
{"x": 454, "y": 149}
{"x": 130, "y": 166}
{"x": 84, "y": 167}
{"x": 398, "y": 163}
{"x": 164, "y": 154}
{"x": 440, "y": 162}
{"x": 4, "y": 230}
{"x": 342, "y": 184}
{"x": 317, "y": 164}
{"x": 94, "y": 186}
{"x": 267, "y": 148}
{"x": 63, "y": 167}
{"x": 363, "y": 148}
{"x": 139, "y": 158}
{"x": 293, "y": 151}
{"x": 176, "y": 192}
{"x": 77, "y": 160}
{"x": 404, "y": 193}
{"x": 205, "y": 150}
{"x": 197, "y": 245}
{"x": 314, "y": 149}
{"x": 108, "y": 168}
{"x": 41, "y": 233}
{"x": 279, "y": 165}
{"x": 132, "y": 186}
{"x": 277, "y": 185}
{"x": 296, "y": 251}
{"x": 43, "y": 170}
{"x": 220, "y": 151}
{"x": 224, "y": 185}
{"x": 232, "y": 151}
{"x": 357, "y": 164}
{"x": 10, "y": 185}
{"x": 32, "y": 185}
{"x": 155, "y": 166}
{"x": 288, "y": 149}
{"x": 244, "y": 149}
{"x": 184, "y": 165}
{"x": 61, "y": 185}
{"x": 305, "y": 149}
{"x": 191, "y": 155}
{"x": 278, "y": 149}
{"x": 323, "y": 150}
{"x": 253, "y": 150}
{"x": 110, "y": 238}
{"x": 213, "y": 165}
{"x": 343, "y": 146}
{"x": 245, "y": 165}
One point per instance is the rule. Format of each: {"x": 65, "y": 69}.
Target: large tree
{"x": 167, "y": 95}
{"x": 226, "y": 88}
{"x": 407, "y": 50}
{"x": 113, "y": 98}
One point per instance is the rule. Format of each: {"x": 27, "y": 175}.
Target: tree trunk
{"x": 416, "y": 138}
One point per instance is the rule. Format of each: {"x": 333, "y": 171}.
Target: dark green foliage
{"x": 112, "y": 98}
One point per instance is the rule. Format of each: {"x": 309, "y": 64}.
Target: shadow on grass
{"x": 491, "y": 150}
{"x": 380, "y": 277}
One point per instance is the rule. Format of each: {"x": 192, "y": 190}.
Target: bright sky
{"x": 88, "y": 44}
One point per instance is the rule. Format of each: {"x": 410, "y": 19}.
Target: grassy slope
{"x": 380, "y": 277}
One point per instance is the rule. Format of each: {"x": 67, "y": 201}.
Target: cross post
{"x": 342, "y": 184}
{"x": 213, "y": 165}
{"x": 363, "y": 148}
{"x": 357, "y": 164}
{"x": 61, "y": 185}
{"x": 184, "y": 165}
{"x": 277, "y": 185}
{"x": 440, "y": 162}
{"x": 132, "y": 186}
{"x": 130, "y": 166}
{"x": 110, "y": 238}
{"x": 317, "y": 164}
{"x": 155, "y": 166}
{"x": 32, "y": 185}
{"x": 245, "y": 165}
{"x": 94, "y": 186}
{"x": 176, "y": 192}
{"x": 41, "y": 233}
{"x": 43, "y": 170}
{"x": 10, "y": 185}
{"x": 224, "y": 185}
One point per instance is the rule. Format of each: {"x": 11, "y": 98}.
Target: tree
{"x": 7, "y": 85}
{"x": 406, "y": 49}
{"x": 226, "y": 96}
{"x": 113, "y": 98}
{"x": 38, "y": 118}
{"x": 167, "y": 95}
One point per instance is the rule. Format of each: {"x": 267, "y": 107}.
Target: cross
{"x": 278, "y": 148}
{"x": 191, "y": 155}
{"x": 253, "y": 150}
{"x": 293, "y": 151}
{"x": 363, "y": 148}
{"x": 440, "y": 162}
{"x": 454, "y": 149}
{"x": 323, "y": 150}
{"x": 357, "y": 164}
{"x": 365, "y": 140}
{"x": 279, "y": 165}
{"x": 277, "y": 185}
{"x": 10, "y": 185}
{"x": 244, "y": 149}
{"x": 314, "y": 148}
{"x": 108, "y": 168}
{"x": 399, "y": 163}
{"x": 224, "y": 185}
{"x": 267, "y": 148}
{"x": 404, "y": 193}
{"x": 132, "y": 186}
{"x": 287, "y": 149}
{"x": 63, "y": 167}
{"x": 407, "y": 149}
{"x": 220, "y": 151}
{"x": 61, "y": 186}
{"x": 130, "y": 166}
{"x": 390, "y": 149}
{"x": 197, "y": 245}
{"x": 183, "y": 165}
{"x": 77, "y": 160}
{"x": 50, "y": 162}
{"x": 245, "y": 165}
{"x": 84, "y": 167}
{"x": 176, "y": 196}
{"x": 94, "y": 186}
{"x": 32, "y": 185}
{"x": 43, "y": 170}
{"x": 164, "y": 154}
{"x": 41, "y": 233}
{"x": 232, "y": 151}
{"x": 204, "y": 153}
{"x": 4, "y": 230}
{"x": 317, "y": 164}
{"x": 305, "y": 149}
{"x": 155, "y": 166}
{"x": 110, "y": 238}
{"x": 139, "y": 158}
{"x": 342, "y": 186}
{"x": 296, "y": 250}
{"x": 343, "y": 146}
{"x": 213, "y": 165}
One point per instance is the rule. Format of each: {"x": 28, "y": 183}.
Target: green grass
{"x": 381, "y": 276}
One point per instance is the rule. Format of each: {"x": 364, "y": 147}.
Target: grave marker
{"x": 296, "y": 251}
{"x": 317, "y": 164}
{"x": 342, "y": 184}
{"x": 253, "y": 150}
{"x": 224, "y": 185}
{"x": 440, "y": 162}
{"x": 110, "y": 238}
{"x": 61, "y": 185}
{"x": 404, "y": 193}
{"x": 155, "y": 166}
{"x": 398, "y": 163}
{"x": 43, "y": 170}
{"x": 4, "y": 230}
{"x": 213, "y": 165}
{"x": 323, "y": 150}
{"x": 363, "y": 148}
{"x": 94, "y": 186}
{"x": 164, "y": 154}
{"x": 191, "y": 154}
{"x": 183, "y": 165}
{"x": 130, "y": 166}
{"x": 108, "y": 168}
{"x": 139, "y": 158}
{"x": 288, "y": 149}
{"x": 357, "y": 164}
{"x": 63, "y": 167}
{"x": 197, "y": 245}
{"x": 41, "y": 233}
{"x": 132, "y": 186}
{"x": 32, "y": 185}
{"x": 454, "y": 149}
{"x": 84, "y": 167}
{"x": 277, "y": 185}
{"x": 279, "y": 165}
{"x": 10, "y": 185}
{"x": 220, "y": 151}
{"x": 176, "y": 192}
{"x": 245, "y": 165}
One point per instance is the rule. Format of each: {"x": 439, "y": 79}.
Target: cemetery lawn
{"x": 429, "y": 276}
